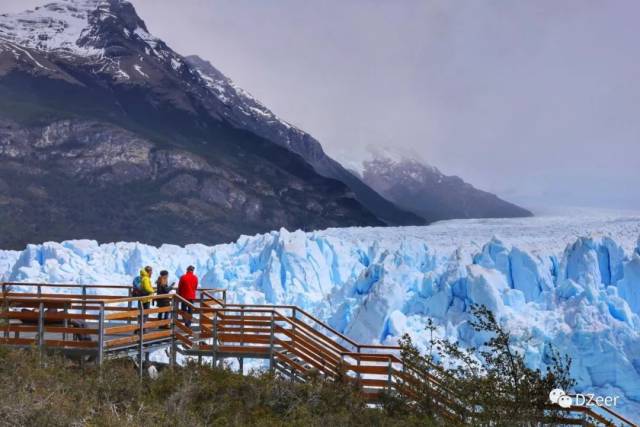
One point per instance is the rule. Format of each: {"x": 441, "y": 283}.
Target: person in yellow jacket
{"x": 145, "y": 286}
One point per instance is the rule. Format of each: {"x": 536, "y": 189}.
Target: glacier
{"x": 573, "y": 282}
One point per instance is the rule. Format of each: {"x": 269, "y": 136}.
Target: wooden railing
{"x": 295, "y": 343}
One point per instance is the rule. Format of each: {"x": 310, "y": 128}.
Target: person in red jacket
{"x": 187, "y": 289}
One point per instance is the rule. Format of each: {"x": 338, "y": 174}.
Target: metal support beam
{"x": 101, "y": 335}
{"x": 41, "y": 327}
{"x": 214, "y": 344}
{"x": 129, "y": 304}
{"x": 294, "y": 316}
{"x": 7, "y": 321}
{"x": 390, "y": 375}
{"x": 241, "y": 359}
{"x": 271, "y": 339}
{"x": 84, "y": 299}
{"x": 140, "y": 337}
{"x": 358, "y": 375}
{"x": 65, "y": 322}
{"x": 174, "y": 344}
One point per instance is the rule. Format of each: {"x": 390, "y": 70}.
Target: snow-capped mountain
{"x": 572, "y": 282}
{"x": 100, "y": 119}
{"x": 61, "y": 27}
{"x": 424, "y": 190}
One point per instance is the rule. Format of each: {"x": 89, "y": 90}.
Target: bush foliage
{"x": 490, "y": 385}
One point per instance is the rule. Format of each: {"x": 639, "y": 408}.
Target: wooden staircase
{"x": 103, "y": 321}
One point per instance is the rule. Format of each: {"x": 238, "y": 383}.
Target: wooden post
{"x": 271, "y": 338}
{"x": 101, "y": 335}
{"x": 140, "y": 337}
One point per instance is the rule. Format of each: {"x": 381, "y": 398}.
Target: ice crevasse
{"x": 376, "y": 284}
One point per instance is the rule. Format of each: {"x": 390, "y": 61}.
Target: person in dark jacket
{"x": 187, "y": 287}
{"x": 163, "y": 288}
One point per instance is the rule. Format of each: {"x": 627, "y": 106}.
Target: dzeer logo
{"x": 559, "y": 397}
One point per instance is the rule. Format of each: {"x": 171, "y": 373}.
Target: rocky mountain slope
{"x": 426, "y": 191}
{"x": 107, "y": 133}
{"x": 248, "y": 113}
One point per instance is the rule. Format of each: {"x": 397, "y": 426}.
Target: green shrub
{"x": 492, "y": 384}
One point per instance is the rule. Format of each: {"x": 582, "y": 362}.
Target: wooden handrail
{"x": 79, "y": 285}
{"x": 319, "y": 322}
{"x": 63, "y": 285}
{"x": 591, "y": 412}
{"x": 206, "y": 291}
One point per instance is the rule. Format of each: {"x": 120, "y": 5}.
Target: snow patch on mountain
{"x": 227, "y": 91}
{"x": 56, "y": 26}
{"x": 570, "y": 282}
{"x": 138, "y": 68}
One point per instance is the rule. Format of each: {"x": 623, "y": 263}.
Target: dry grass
{"x": 52, "y": 391}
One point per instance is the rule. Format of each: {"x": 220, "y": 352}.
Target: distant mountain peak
{"x": 386, "y": 157}
{"x": 395, "y": 161}
{"x": 424, "y": 190}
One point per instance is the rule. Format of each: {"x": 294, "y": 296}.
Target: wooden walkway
{"x": 97, "y": 322}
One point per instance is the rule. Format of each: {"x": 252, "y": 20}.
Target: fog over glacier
{"x": 571, "y": 282}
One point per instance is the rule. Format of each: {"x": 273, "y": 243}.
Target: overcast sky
{"x": 538, "y": 101}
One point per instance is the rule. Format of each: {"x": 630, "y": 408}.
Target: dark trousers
{"x": 163, "y": 316}
{"x": 188, "y": 309}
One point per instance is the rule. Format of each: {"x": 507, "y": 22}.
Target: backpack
{"x": 136, "y": 290}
